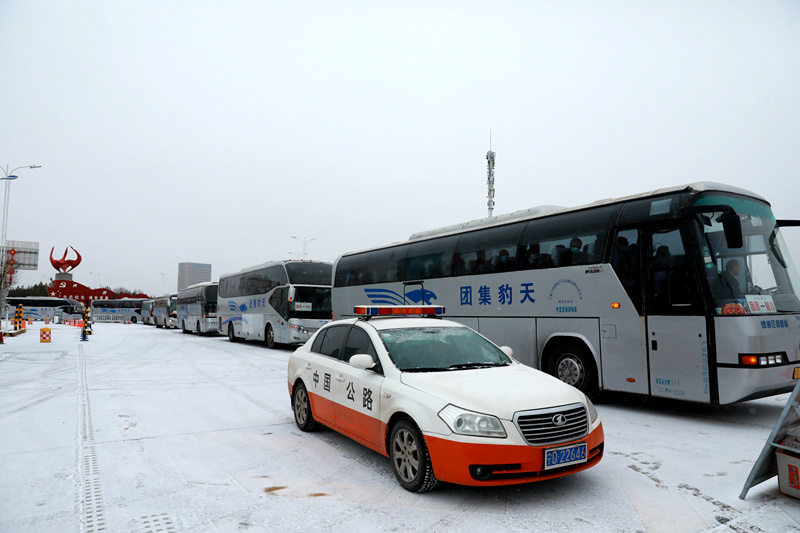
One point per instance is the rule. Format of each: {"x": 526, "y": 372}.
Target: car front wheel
{"x": 410, "y": 460}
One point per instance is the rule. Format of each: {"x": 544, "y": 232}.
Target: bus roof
{"x": 540, "y": 211}
{"x": 273, "y": 263}
{"x": 201, "y": 284}
{"x": 544, "y": 210}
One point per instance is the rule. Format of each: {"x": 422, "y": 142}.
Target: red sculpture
{"x": 64, "y": 264}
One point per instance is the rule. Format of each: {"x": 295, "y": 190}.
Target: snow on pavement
{"x": 142, "y": 429}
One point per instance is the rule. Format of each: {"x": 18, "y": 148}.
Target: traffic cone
{"x": 83, "y": 335}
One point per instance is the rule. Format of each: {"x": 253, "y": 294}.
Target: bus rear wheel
{"x": 269, "y": 336}
{"x": 571, "y": 363}
{"x": 231, "y": 336}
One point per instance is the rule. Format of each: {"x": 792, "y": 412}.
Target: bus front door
{"x": 677, "y": 342}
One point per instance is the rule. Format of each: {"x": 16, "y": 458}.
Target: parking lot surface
{"x": 142, "y": 429}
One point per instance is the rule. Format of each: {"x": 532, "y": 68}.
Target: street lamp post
{"x": 8, "y": 177}
{"x": 304, "y": 240}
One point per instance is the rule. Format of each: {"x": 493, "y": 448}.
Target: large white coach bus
{"x": 197, "y": 308}
{"x": 278, "y": 302}
{"x": 686, "y": 293}
{"x": 122, "y": 310}
{"x": 147, "y": 312}
{"x": 44, "y": 307}
{"x": 165, "y": 311}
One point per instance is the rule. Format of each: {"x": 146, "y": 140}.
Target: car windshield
{"x": 433, "y": 349}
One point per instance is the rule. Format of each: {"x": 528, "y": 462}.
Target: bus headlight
{"x": 299, "y": 329}
{"x": 466, "y": 422}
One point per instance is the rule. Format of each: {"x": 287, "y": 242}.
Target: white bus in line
{"x": 281, "y": 302}
{"x": 122, "y": 310}
{"x": 147, "y": 312}
{"x": 197, "y": 308}
{"x": 686, "y": 293}
{"x": 165, "y": 311}
{"x": 44, "y": 307}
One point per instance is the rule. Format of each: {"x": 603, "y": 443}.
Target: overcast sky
{"x": 213, "y": 132}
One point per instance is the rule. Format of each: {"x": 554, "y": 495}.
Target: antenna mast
{"x": 490, "y": 175}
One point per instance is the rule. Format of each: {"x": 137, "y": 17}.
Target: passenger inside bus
{"x": 504, "y": 262}
{"x": 730, "y": 284}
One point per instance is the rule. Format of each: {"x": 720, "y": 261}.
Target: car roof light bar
{"x": 398, "y": 310}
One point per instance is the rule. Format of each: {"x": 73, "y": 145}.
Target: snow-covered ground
{"x": 142, "y": 429}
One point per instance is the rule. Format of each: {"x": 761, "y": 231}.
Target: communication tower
{"x": 490, "y": 175}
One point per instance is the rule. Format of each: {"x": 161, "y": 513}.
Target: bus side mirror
{"x": 292, "y": 291}
{"x": 732, "y": 227}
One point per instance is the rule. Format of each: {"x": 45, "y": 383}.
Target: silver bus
{"x": 281, "y": 302}
{"x": 197, "y": 308}
{"x": 122, "y": 310}
{"x": 147, "y": 312}
{"x": 165, "y": 311}
{"x": 45, "y": 307}
{"x": 686, "y": 293}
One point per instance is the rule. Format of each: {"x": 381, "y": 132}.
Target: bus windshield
{"x": 307, "y": 273}
{"x": 311, "y": 302}
{"x": 759, "y": 277}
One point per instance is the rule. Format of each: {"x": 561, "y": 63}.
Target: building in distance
{"x": 191, "y": 273}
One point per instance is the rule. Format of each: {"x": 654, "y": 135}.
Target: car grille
{"x": 539, "y": 427}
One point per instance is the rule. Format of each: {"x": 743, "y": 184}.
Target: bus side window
{"x": 488, "y": 250}
{"x": 672, "y": 288}
{"x": 430, "y": 259}
{"x": 571, "y": 239}
{"x": 626, "y": 263}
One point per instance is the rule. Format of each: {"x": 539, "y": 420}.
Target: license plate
{"x": 565, "y": 455}
{"x": 796, "y": 373}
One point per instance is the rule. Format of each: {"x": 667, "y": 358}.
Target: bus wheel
{"x": 183, "y": 328}
{"x": 269, "y": 336}
{"x": 231, "y": 336}
{"x": 570, "y": 362}
{"x": 198, "y": 328}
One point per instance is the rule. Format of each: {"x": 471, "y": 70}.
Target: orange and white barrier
{"x": 44, "y": 335}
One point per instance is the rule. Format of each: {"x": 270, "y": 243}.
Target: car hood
{"x": 499, "y": 391}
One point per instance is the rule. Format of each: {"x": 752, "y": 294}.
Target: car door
{"x": 319, "y": 369}
{"x": 356, "y": 392}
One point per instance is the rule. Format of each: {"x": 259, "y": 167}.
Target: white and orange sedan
{"x": 441, "y": 401}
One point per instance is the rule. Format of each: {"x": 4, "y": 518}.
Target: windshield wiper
{"x": 425, "y": 369}
{"x": 464, "y": 366}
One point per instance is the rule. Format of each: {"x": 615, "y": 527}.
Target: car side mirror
{"x": 362, "y": 361}
{"x": 507, "y": 350}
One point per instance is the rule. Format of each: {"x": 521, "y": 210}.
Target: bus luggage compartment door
{"x": 677, "y": 350}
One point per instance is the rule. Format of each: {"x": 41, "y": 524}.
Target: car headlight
{"x": 592, "y": 411}
{"x": 466, "y": 422}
